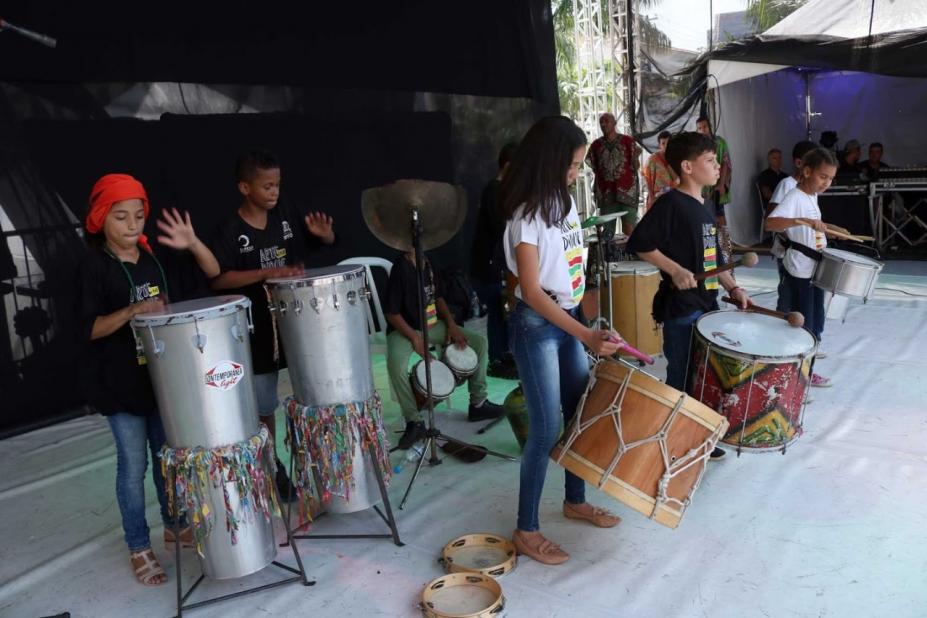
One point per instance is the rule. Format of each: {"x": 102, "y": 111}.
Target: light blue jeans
{"x": 554, "y": 372}
{"x": 135, "y": 437}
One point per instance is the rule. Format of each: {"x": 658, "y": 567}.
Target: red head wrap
{"x": 107, "y": 191}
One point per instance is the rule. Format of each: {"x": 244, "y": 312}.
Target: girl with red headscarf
{"x": 120, "y": 279}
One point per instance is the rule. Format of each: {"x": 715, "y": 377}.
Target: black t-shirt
{"x": 402, "y": 291}
{"x": 237, "y": 245}
{"x": 115, "y": 378}
{"x": 487, "y": 259}
{"x": 770, "y": 179}
{"x": 684, "y": 230}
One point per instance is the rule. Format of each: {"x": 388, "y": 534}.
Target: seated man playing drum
{"x": 405, "y": 337}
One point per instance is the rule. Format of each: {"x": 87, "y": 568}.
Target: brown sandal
{"x": 600, "y": 517}
{"x": 544, "y": 552}
{"x": 186, "y": 537}
{"x": 149, "y": 572}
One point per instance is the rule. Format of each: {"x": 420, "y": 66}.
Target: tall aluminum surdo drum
{"x": 322, "y": 317}
{"x": 199, "y": 357}
{"x": 846, "y": 273}
{"x": 754, "y": 370}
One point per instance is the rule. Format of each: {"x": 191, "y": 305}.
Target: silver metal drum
{"x": 199, "y": 358}
{"x": 322, "y": 317}
{"x": 847, "y": 274}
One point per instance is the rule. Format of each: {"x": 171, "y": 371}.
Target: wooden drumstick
{"x": 749, "y": 260}
{"x": 836, "y": 231}
{"x": 794, "y": 318}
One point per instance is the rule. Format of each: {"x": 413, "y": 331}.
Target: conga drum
{"x": 754, "y": 370}
{"x": 634, "y": 285}
{"x": 640, "y": 441}
{"x": 323, "y": 326}
{"x": 199, "y": 357}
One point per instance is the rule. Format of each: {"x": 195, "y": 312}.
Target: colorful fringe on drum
{"x": 247, "y": 464}
{"x": 325, "y": 435}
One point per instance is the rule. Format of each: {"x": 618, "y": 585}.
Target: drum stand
{"x": 432, "y": 433}
{"x": 388, "y": 518}
{"x": 300, "y": 574}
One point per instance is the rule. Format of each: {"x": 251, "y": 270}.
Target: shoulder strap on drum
{"x": 805, "y": 250}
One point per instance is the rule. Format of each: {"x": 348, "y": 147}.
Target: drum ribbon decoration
{"x": 324, "y": 435}
{"x": 247, "y": 464}
{"x": 672, "y": 467}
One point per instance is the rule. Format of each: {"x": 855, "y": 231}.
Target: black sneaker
{"x": 486, "y": 412}
{"x": 718, "y": 454}
{"x": 285, "y": 489}
{"x": 503, "y": 369}
{"x": 415, "y": 432}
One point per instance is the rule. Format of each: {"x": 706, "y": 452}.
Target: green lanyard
{"x": 132, "y": 296}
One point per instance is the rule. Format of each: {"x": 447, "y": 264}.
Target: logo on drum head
{"x": 225, "y": 375}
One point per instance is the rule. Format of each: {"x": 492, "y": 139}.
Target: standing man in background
{"x": 720, "y": 194}
{"x": 615, "y": 160}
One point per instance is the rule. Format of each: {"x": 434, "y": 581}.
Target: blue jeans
{"x": 490, "y": 294}
{"x": 554, "y": 372}
{"x": 677, "y": 338}
{"x": 131, "y": 433}
{"x": 809, "y": 300}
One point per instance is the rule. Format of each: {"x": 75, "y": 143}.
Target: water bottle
{"x": 414, "y": 453}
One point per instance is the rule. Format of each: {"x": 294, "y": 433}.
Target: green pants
{"x": 399, "y": 351}
{"x": 628, "y": 220}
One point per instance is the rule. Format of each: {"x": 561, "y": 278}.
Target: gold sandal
{"x": 150, "y": 569}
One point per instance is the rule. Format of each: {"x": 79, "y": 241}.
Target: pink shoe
{"x": 820, "y": 381}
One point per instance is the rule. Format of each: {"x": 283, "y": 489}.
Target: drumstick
{"x": 794, "y": 318}
{"x": 749, "y": 260}
{"x": 837, "y": 233}
{"x": 646, "y": 358}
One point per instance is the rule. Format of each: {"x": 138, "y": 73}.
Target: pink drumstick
{"x": 632, "y": 351}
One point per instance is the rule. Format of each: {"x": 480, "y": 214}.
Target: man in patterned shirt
{"x": 615, "y": 159}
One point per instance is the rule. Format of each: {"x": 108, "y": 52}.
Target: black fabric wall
{"x": 481, "y": 47}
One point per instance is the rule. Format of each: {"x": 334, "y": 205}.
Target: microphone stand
{"x": 432, "y": 433}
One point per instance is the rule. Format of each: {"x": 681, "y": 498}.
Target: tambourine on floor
{"x": 640, "y": 441}
{"x": 485, "y": 553}
{"x": 463, "y": 595}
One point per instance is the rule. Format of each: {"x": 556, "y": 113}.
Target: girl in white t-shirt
{"x": 544, "y": 248}
{"x": 801, "y": 204}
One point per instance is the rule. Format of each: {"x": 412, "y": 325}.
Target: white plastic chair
{"x": 377, "y": 336}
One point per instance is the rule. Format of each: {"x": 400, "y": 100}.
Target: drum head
{"x": 190, "y": 310}
{"x": 849, "y": 256}
{"x": 461, "y": 359}
{"x": 320, "y": 276}
{"x": 442, "y": 380}
{"x": 754, "y": 335}
{"x": 635, "y": 267}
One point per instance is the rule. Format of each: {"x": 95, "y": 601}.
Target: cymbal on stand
{"x": 600, "y": 219}
{"x": 442, "y": 209}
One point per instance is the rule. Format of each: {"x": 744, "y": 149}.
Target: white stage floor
{"x": 833, "y": 528}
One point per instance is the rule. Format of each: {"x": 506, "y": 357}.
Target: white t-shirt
{"x": 561, "y": 256}
{"x": 782, "y": 189}
{"x": 798, "y": 204}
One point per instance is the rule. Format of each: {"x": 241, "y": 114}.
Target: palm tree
{"x": 768, "y": 13}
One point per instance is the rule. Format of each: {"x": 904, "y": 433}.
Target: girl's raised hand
{"x": 177, "y": 230}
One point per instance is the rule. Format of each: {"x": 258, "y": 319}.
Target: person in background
{"x": 615, "y": 160}
{"x": 720, "y": 193}
{"x": 770, "y": 178}
{"x": 658, "y": 175}
{"x": 871, "y": 166}
{"x": 849, "y": 159}
{"x": 487, "y": 269}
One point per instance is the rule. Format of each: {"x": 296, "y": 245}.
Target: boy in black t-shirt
{"x": 263, "y": 241}
{"x": 405, "y": 337}
{"x": 678, "y": 235}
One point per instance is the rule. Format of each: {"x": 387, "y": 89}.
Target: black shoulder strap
{"x": 805, "y": 250}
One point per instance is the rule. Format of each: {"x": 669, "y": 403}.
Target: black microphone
{"x": 29, "y": 34}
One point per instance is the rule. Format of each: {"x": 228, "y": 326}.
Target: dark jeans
{"x": 784, "y": 302}
{"x": 677, "y": 338}
{"x": 807, "y": 299}
{"x": 554, "y": 372}
{"x": 490, "y": 294}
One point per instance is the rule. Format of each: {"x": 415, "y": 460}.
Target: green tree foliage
{"x": 768, "y": 13}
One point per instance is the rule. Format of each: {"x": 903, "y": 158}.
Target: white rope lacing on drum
{"x": 672, "y": 467}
